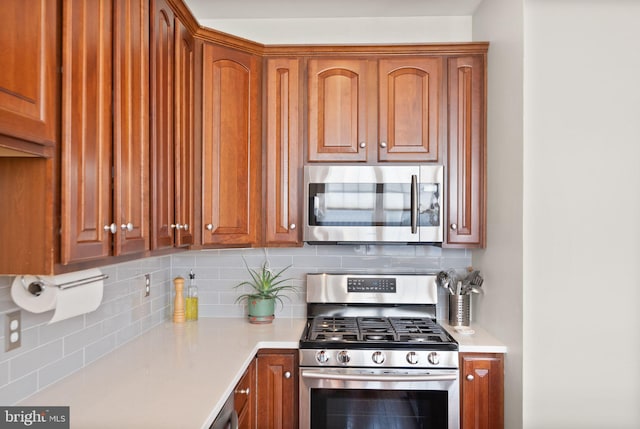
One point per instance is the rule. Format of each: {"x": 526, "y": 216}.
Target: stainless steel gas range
{"x": 372, "y": 355}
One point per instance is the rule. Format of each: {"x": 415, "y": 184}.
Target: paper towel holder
{"x": 37, "y": 287}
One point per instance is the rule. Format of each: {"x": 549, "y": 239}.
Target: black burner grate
{"x": 377, "y": 329}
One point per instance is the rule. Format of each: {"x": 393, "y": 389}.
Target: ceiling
{"x": 269, "y": 9}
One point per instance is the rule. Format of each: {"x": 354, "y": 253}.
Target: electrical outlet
{"x": 147, "y": 284}
{"x": 12, "y": 330}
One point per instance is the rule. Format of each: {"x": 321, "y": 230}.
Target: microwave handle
{"x": 414, "y": 204}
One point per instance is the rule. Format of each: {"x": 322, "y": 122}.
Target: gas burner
{"x": 344, "y": 319}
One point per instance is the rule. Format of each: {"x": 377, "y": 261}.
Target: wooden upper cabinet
{"x": 29, "y": 36}
{"x": 337, "y": 109}
{"x": 283, "y": 152}
{"x": 466, "y": 177}
{"x": 482, "y": 391}
{"x": 410, "y": 106}
{"x": 162, "y": 121}
{"x": 87, "y": 134}
{"x": 105, "y": 134}
{"x": 231, "y": 147}
{"x": 131, "y": 126}
{"x": 375, "y": 109}
{"x": 184, "y": 135}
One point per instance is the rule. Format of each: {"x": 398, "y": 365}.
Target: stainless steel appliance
{"x": 379, "y": 203}
{"x": 373, "y": 356}
{"x": 227, "y": 418}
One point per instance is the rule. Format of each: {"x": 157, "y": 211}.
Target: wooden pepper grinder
{"x": 178, "y": 302}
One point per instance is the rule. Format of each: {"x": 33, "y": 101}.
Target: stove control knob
{"x": 322, "y": 357}
{"x": 433, "y": 358}
{"x": 377, "y": 357}
{"x": 343, "y": 357}
{"x": 412, "y": 358}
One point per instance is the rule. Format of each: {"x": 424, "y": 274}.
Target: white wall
{"x": 500, "y": 309}
{"x": 419, "y": 29}
{"x": 581, "y": 214}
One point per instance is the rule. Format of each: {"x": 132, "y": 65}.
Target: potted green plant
{"x": 267, "y": 287}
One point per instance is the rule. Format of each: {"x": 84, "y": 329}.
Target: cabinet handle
{"x": 127, "y": 227}
{"x": 287, "y": 374}
{"x": 470, "y": 377}
{"x": 111, "y": 228}
{"x": 454, "y": 226}
{"x": 242, "y": 391}
{"x": 383, "y": 144}
{"x": 292, "y": 226}
{"x": 209, "y": 227}
{"x": 363, "y": 145}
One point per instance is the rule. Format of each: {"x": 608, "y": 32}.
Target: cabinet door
{"x": 277, "y": 389}
{"x": 231, "y": 152}
{"x": 29, "y": 79}
{"x": 410, "y": 103}
{"x": 162, "y": 145}
{"x": 86, "y": 134}
{"x": 337, "y": 109}
{"x": 184, "y": 147}
{"x": 466, "y": 180}
{"x": 283, "y": 154}
{"x": 131, "y": 126}
{"x": 244, "y": 398}
{"x": 482, "y": 391}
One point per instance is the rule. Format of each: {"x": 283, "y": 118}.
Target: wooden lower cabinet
{"x": 481, "y": 390}
{"x": 244, "y": 398}
{"x": 277, "y": 389}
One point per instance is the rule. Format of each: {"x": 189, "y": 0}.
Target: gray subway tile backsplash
{"x": 51, "y": 352}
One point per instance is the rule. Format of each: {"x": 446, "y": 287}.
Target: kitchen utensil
{"x": 443, "y": 280}
{"x": 475, "y": 289}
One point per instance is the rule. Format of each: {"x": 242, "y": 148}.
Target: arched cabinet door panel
{"x": 410, "y": 109}
{"x": 231, "y": 149}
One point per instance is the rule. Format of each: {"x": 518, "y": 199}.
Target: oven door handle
{"x": 376, "y": 377}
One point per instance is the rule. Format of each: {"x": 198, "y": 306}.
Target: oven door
{"x": 379, "y": 398}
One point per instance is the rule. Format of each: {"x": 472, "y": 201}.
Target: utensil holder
{"x": 459, "y": 310}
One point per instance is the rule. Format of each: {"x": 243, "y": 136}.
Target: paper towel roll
{"x": 66, "y": 302}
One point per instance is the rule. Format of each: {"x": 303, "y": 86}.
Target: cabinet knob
{"x": 186, "y": 226}
{"x": 470, "y": 377}
{"x": 383, "y": 144}
{"x": 287, "y": 374}
{"x": 292, "y": 226}
{"x": 454, "y": 226}
{"x": 363, "y": 145}
{"x": 242, "y": 391}
{"x": 177, "y": 226}
{"x": 209, "y": 227}
{"x": 111, "y": 228}
{"x": 127, "y": 227}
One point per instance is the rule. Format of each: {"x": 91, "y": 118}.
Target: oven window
{"x": 378, "y": 409}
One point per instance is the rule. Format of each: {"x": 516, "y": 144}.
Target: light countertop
{"x": 174, "y": 376}
{"x": 480, "y": 341}
{"x": 179, "y": 375}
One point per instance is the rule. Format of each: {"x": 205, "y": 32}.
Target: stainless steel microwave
{"x": 373, "y": 204}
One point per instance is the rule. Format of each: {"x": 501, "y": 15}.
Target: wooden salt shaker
{"x": 178, "y": 303}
